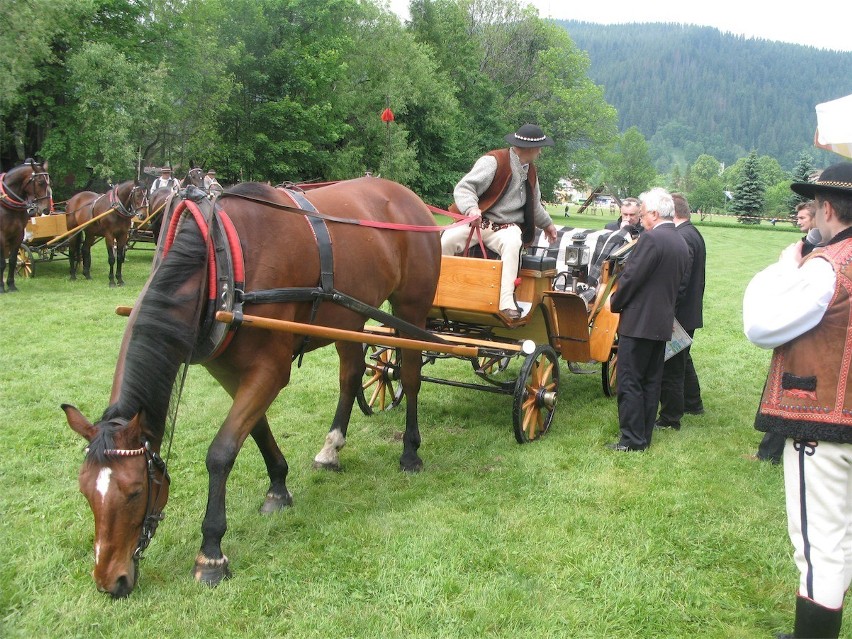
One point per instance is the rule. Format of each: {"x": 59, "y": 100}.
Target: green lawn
{"x": 559, "y": 538}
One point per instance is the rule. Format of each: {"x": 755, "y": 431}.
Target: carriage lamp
{"x": 577, "y": 254}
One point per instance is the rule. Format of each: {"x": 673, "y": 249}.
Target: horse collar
{"x": 9, "y": 197}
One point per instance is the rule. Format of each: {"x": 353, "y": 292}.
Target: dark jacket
{"x": 647, "y": 288}
{"x": 689, "y": 309}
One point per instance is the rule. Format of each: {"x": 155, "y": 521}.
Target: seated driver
{"x": 502, "y": 195}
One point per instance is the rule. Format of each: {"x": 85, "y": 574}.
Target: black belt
{"x": 486, "y": 223}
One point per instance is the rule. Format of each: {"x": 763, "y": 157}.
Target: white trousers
{"x": 507, "y": 242}
{"x": 818, "y": 487}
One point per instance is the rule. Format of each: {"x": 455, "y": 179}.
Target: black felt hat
{"x": 835, "y": 179}
{"x": 529, "y": 136}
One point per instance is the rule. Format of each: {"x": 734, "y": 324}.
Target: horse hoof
{"x": 88, "y": 277}
{"x": 275, "y": 502}
{"x": 211, "y": 572}
{"x": 318, "y": 465}
{"x": 120, "y": 283}
{"x": 411, "y": 466}
{"x": 112, "y": 284}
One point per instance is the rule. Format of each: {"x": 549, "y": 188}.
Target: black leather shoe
{"x": 511, "y": 313}
{"x": 623, "y": 448}
{"x": 661, "y": 425}
{"x": 697, "y": 411}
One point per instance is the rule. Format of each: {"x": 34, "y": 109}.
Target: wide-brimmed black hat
{"x": 529, "y": 136}
{"x": 835, "y": 179}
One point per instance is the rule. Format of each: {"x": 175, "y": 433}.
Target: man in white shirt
{"x": 165, "y": 181}
{"x": 800, "y": 307}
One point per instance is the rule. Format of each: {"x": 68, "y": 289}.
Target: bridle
{"x": 119, "y": 206}
{"x": 12, "y": 200}
{"x": 155, "y": 466}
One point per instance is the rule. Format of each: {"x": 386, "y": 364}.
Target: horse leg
{"x": 250, "y": 403}
{"x": 410, "y": 378}
{"x": 10, "y": 279}
{"x": 2, "y": 269}
{"x": 73, "y": 258}
{"x": 86, "y": 250}
{"x": 351, "y": 371}
{"x": 110, "y": 247}
{"x": 277, "y": 497}
{"x": 120, "y": 253}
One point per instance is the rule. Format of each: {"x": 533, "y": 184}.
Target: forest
{"x": 694, "y": 90}
{"x": 294, "y": 90}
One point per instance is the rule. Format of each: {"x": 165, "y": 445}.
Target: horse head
{"x": 28, "y": 187}
{"x": 139, "y": 199}
{"x": 195, "y": 177}
{"x": 127, "y": 486}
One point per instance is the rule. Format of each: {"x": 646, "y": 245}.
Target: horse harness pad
{"x": 225, "y": 266}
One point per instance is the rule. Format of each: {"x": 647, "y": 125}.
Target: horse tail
{"x": 165, "y": 328}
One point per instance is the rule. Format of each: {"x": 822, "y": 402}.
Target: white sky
{"x": 826, "y": 24}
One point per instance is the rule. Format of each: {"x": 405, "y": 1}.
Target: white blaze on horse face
{"x": 102, "y": 484}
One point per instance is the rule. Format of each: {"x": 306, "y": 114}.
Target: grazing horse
{"x": 24, "y": 192}
{"x": 120, "y": 204}
{"x": 123, "y": 476}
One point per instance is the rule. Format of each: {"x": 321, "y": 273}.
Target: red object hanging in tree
{"x": 387, "y": 116}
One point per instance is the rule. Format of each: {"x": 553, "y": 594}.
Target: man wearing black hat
{"x": 501, "y": 194}
{"x": 802, "y": 308}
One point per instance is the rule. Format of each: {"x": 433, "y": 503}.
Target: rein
{"x": 368, "y": 223}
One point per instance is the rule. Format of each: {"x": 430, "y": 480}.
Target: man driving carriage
{"x": 166, "y": 180}
{"x": 501, "y": 194}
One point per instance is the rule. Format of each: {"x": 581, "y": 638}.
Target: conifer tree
{"x": 801, "y": 173}
{"x": 747, "y": 203}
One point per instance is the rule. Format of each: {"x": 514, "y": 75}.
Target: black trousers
{"x": 680, "y": 388}
{"x": 640, "y": 375}
{"x": 771, "y": 447}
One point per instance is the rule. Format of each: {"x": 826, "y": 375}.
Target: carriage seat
{"x": 532, "y": 262}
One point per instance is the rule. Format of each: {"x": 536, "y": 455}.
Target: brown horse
{"x": 24, "y": 192}
{"x": 123, "y": 201}
{"x": 124, "y": 478}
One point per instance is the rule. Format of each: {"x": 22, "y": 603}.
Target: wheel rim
{"x": 609, "y": 377}
{"x": 380, "y": 389}
{"x": 535, "y": 394}
{"x": 25, "y": 262}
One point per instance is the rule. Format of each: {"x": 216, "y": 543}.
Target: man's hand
{"x": 474, "y": 212}
{"x": 551, "y": 233}
{"x": 792, "y": 253}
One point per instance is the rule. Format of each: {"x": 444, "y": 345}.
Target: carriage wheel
{"x": 493, "y": 369}
{"x": 26, "y": 265}
{"x": 380, "y": 389}
{"x": 535, "y": 394}
{"x": 609, "y": 379}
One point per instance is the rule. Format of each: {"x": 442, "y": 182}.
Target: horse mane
{"x": 161, "y": 339}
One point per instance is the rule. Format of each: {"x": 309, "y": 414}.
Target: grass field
{"x": 559, "y": 538}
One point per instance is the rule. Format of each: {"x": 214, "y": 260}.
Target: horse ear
{"x": 78, "y": 423}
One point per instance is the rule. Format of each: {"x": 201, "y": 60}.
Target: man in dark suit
{"x": 681, "y": 392}
{"x": 645, "y": 298}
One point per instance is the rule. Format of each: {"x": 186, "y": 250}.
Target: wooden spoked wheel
{"x": 26, "y": 266}
{"x": 380, "y": 390}
{"x": 535, "y": 394}
{"x": 609, "y": 379}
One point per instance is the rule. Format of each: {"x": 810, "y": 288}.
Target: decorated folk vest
{"x": 498, "y": 186}
{"x": 806, "y": 394}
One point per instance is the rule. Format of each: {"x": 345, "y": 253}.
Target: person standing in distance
{"x": 645, "y": 299}
{"x": 165, "y": 181}
{"x": 501, "y": 194}
{"x": 681, "y": 392}
{"x": 802, "y": 309}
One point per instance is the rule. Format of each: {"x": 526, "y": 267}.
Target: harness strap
{"x": 9, "y": 198}
{"x": 322, "y": 236}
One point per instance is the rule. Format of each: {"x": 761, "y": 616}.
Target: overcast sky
{"x": 824, "y": 24}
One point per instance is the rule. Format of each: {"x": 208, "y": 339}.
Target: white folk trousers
{"x": 818, "y": 487}
{"x": 507, "y": 242}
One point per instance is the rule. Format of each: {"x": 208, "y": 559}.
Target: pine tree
{"x": 747, "y": 203}
{"x": 801, "y": 173}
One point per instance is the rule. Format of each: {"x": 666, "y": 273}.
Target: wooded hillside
{"x": 693, "y": 90}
